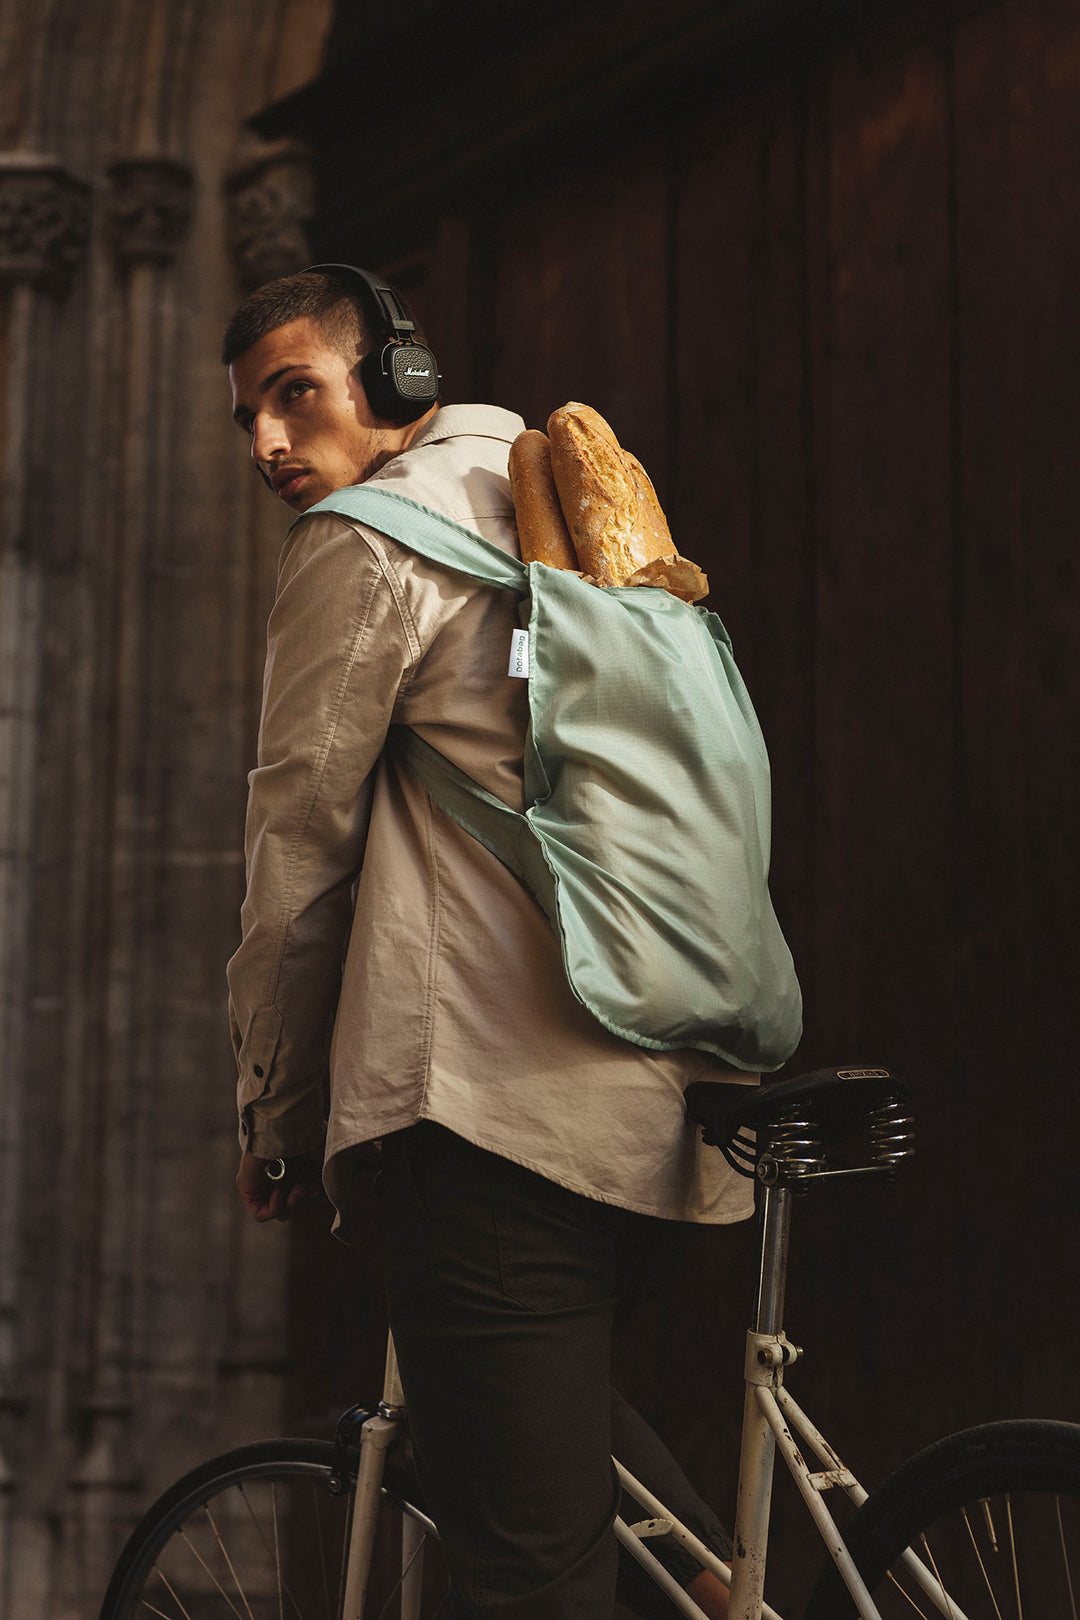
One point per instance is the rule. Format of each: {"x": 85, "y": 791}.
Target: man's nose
{"x": 268, "y": 439}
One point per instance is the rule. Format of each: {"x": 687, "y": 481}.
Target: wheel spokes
{"x": 316, "y": 1513}
{"x": 264, "y": 1538}
{"x": 229, "y": 1564}
{"x": 1001, "y": 1558}
{"x": 282, "y": 1586}
{"x": 235, "y": 1552}
{"x": 1065, "y": 1558}
{"x": 277, "y": 1551}
{"x": 904, "y": 1593}
{"x": 982, "y": 1566}
{"x": 144, "y": 1603}
{"x": 165, "y": 1582}
{"x": 950, "y": 1607}
{"x": 399, "y": 1583}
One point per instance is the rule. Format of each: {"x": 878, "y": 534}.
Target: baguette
{"x": 667, "y": 569}
{"x": 542, "y": 531}
{"x": 653, "y": 523}
{"x": 598, "y": 494}
{"x": 584, "y": 503}
{"x": 616, "y": 522}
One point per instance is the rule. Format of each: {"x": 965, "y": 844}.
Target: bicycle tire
{"x": 257, "y": 1533}
{"x": 993, "y": 1512}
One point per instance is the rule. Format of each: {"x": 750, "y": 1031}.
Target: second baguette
{"x": 542, "y": 532}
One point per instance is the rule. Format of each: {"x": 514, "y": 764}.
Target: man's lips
{"x": 286, "y": 480}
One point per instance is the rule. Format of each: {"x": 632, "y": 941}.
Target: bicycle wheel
{"x": 992, "y": 1514}
{"x": 258, "y": 1534}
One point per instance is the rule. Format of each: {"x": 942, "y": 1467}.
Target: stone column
{"x": 270, "y": 196}
{"x": 149, "y": 211}
{"x": 137, "y": 565}
{"x": 150, "y": 208}
{"x": 44, "y": 223}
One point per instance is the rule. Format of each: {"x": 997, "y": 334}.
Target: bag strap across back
{"x": 503, "y": 831}
{"x": 438, "y": 538}
{"x": 500, "y": 829}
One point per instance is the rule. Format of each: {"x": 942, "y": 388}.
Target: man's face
{"x": 312, "y": 430}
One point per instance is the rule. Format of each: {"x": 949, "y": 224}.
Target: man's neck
{"x": 394, "y": 442}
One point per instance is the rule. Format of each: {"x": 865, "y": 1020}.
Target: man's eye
{"x": 293, "y": 390}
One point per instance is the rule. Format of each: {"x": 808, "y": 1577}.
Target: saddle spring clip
{"x": 794, "y": 1150}
{"x": 892, "y": 1134}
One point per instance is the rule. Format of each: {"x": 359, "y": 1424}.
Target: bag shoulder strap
{"x": 501, "y": 830}
{"x": 505, "y": 832}
{"x": 438, "y": 538}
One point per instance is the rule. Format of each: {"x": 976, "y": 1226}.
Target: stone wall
{"x": 141, "y": 1314}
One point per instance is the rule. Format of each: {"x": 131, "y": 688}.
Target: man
{"x": 535, "y": 1168}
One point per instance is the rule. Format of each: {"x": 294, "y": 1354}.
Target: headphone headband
{"x": 400, "y": 377}
{"x": 391, "y": 310}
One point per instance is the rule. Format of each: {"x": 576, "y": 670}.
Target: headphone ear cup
{"x": 401, "y": 381}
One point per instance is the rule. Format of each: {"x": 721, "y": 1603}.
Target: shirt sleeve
{"x": 340, "y": 645}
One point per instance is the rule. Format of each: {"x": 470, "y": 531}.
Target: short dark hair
{"x": 308, "y": 295}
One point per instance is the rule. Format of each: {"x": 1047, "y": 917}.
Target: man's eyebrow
{"x": 242, "y": 411}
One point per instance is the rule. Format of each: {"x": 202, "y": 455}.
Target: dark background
{"x": 818, "y": 265}
{"x": 817, "y": 262}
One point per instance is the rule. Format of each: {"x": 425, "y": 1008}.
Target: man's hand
{"x": 269, "y": 1200}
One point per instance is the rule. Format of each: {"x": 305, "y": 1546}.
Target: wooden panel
{"x": 580, "y": 303}
{"x": 738, "y": 504}
{"x": 835, "y": 316}
{"x": 1018, "y": 168}
{"x": 884, "y": 787}
{"x": 815, "y": 234}
{"x": 454, "y": 273}
{"x": 495, "y": 98}
{"x": 448, "y": 285}
{"x": 885, "y": 685}
{"x": 813, "y": 271}
{"x": 740, "y": 496}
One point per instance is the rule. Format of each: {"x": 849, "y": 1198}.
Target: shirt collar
{"x": 475, "y": 421}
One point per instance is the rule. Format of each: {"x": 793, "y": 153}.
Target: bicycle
{"x": 984, "y": 1522}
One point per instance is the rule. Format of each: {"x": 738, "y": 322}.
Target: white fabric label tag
{"x": 519, "y": 654}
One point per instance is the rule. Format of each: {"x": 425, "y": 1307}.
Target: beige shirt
{"x": 385, "y": 949}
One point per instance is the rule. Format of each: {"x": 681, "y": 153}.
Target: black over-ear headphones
{"x": 400, "y": 377}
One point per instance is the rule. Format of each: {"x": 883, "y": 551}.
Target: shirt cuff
{"x": 299, "y": 1132}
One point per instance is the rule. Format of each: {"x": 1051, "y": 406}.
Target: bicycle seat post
{"x": 785, "y": 1134}
{"x": 772, "y": 1278}
{"x": 758, "y": 1445}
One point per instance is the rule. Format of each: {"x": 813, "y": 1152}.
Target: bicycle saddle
{"x": 788, "y": 1132}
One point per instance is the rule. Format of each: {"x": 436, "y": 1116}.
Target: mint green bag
{"x": 646, "y": 837}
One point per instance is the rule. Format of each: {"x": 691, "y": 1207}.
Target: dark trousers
{"x": 504, "y": 1290}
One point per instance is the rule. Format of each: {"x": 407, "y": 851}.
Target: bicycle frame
{"x": 771, "y": 1420}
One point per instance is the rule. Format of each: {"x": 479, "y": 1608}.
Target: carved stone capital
{"x": 150, "y": 206}
{"x": 44, "y": 220}
{"x": 269, "y": 199}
